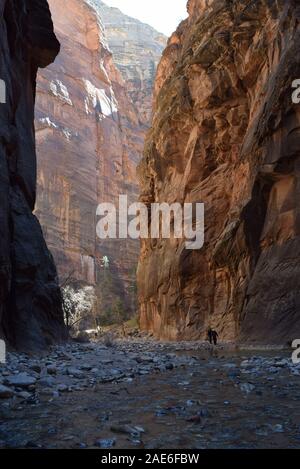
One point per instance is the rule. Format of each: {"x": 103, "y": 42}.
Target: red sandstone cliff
{"x": 225, "y": 132}
{"x": 89, "y": 140}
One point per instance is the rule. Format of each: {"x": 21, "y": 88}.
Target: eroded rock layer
{"x": 226, "y": 132}
{"x": 30, "y": 303}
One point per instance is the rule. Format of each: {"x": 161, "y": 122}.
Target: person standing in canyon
{"x": 212, "y": 336}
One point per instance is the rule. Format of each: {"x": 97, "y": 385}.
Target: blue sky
{"x": 163, "y": 15}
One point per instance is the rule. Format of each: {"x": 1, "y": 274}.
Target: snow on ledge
{"x": 60, "y": 91}
{"x": 98, "y": 99}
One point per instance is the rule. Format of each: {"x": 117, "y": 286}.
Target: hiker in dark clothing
{"x": 212, "y": 336}
{"x": 215, "y": 337}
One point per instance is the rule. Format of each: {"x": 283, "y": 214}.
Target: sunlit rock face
{"x": 137, "y": 49}
{"x": 90, "y": 140}
{"x": 30, "y": 303}
{"x": 226, "y": 132}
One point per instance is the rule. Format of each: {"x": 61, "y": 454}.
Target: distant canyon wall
{"x": 90, "y": 137}
{"x": 137, "y": 49}
{"x": 226, "y": 132}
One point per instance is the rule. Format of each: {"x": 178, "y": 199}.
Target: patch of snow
{"x": 86, "y": 105}
{"x": 98, "y": 99}
{"x": 67, "y": 133}
{"x": 60, "y": 91}
{"x": 47, "y": 121}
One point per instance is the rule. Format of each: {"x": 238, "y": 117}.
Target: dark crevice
{"x": 254, "y": 215}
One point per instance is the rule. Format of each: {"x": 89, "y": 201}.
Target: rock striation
{"x": 226, "y": 132}
{"x": 30, "y": 302}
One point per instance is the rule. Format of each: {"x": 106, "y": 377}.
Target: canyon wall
{"x": 226, "y": 132}
{"x": 137, "y": 49}
{"x": 90, "y": 139}
{"x": 30, "y": 302}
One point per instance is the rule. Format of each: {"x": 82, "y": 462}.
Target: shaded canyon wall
{"x": 30, "y": 302}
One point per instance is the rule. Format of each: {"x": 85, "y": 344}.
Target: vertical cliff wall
{"x": 30, "y": 303}
{"x": 226, "y": 132}
{"x": 90, "y": 140}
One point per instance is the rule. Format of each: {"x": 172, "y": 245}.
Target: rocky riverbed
{"x": 143, "y": 394}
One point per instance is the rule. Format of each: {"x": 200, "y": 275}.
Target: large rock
{"x": 30, "y": 302}
{"x": 21, "y": 380}
{"x": 5, "y": 392}
{"x": 90, "y": 139}
{"x": 226, "y": 132}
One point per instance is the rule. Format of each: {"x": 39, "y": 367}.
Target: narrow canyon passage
{"x": 149, "y": 225}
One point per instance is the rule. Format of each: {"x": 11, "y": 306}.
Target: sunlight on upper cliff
{"x": 163, "y": 15}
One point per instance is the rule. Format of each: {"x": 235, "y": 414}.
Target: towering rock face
{"x": 89, "y": 140}
{"x": 30, "y": 303}
{"x": 137, "y": 49}
{"x": 226, "y": 132}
